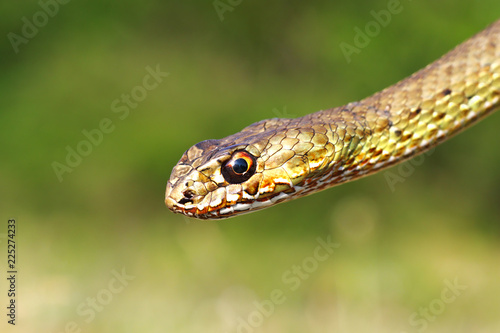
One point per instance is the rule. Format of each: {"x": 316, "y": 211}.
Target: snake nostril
{"x": 188, "y": 195}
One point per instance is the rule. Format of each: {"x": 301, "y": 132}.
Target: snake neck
{"x": 416, "y": 113}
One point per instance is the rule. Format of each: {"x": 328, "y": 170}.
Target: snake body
{"x": 277, "y": 160}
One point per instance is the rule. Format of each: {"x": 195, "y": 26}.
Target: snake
{"x": 280, "y": 159}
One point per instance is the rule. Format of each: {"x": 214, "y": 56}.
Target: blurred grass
{"x": 396, "y": 247}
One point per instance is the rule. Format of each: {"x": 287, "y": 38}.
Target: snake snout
{"x": 169, "y": 199}
{"x": 184, "y": 193}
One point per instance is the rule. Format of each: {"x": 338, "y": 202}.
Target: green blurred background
{"x": 398, "y": 244}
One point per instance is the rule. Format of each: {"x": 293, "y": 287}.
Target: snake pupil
{"x": 240, "y": 166}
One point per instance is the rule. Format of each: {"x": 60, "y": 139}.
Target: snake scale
{"x": 277, "y": 160}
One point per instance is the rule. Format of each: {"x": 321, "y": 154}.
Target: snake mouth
{"x": 218, "y": 214}
{"x": 224, "y": 210}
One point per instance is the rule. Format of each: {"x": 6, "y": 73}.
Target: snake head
{"x": 244, "y": 172}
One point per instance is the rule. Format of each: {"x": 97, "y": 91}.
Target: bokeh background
{"x": 400, "y": 245}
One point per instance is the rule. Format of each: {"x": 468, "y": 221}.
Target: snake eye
{"x": 239, "y": 168}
